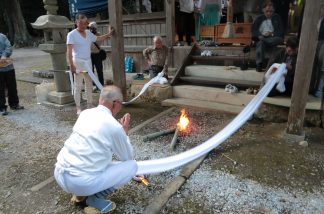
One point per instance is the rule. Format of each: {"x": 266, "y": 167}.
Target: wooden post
{"x": 170, "y": 27}
{"x": 117, "y": 44}
{"x": 304, "y": 66}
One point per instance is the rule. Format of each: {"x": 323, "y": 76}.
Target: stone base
{"x": 292, "y": 138}
{"x": 155, "y": 93}
{"x": 60, "y": 98}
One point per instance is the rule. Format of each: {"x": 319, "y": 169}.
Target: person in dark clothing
{"x": 7, "y": 78}
{"x": 319, "y": 62}
{"x": 267, "y": 32}
{"x": 95, "y": 57}
{"x": 288, "y": 56}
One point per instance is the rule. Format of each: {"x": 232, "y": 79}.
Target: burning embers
{"x": 182, "y": 126}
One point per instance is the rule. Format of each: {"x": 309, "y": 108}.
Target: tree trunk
{"x": 16, "y": 23}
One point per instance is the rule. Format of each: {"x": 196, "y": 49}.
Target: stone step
{"x": 211, "y": 94}
{"x": 224, "y": 72}
{"x": 214, "y": 81}
{"x": 205, "y": 105}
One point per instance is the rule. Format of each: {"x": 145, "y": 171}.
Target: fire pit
{"x": 181, "y": 127}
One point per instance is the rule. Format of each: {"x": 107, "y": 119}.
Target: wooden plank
{"x": 117, "y": 45}
{"x": 304, "y": 65}
{"x": 187, "y": 61}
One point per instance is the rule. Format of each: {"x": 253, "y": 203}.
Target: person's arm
{"x": 256, "y": 35}
{"x": 69, "y": 58}
{"x": 122, "y": 146}
{"x": 146, "y": 54}
{"x": 105, "y": 36}
{"x": 278, "y": 27}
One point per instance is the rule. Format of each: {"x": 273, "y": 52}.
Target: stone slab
{"x": 205, "y": 105}
{"x": 224, "y": 72}
{"x": 211, "y": 94}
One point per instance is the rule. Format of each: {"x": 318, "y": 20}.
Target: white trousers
{"x": 78, "y": 82}
{"x": 115, "y": 176}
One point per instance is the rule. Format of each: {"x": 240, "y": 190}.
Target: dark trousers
{"x": 154, "y": 70}
{"x": 261, "y": 45}
{"x": 8, "y": 80}
{"x": 97, "y": 63}
{"x": 185, "y": 26}
{"x": 287, "y": 92}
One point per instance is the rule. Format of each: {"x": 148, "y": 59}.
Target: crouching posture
{"x": 84, "y": 165}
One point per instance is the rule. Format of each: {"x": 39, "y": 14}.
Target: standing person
{"x": 7, "y": 78}
{"x": 185, "y": 20}
{"x": 95, "y": 57}
{"x": 84, "y": 165}
{"x": 267, "y": 31}
{"x": 157, "y": 57}
{"x": 319, "y": 58}
{"x": 79, "y": 42}
{"x": 289, "y": 57}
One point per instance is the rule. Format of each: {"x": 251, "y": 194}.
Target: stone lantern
{"x": 55, "y": 30}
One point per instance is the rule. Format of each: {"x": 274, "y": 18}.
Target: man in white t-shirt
{"x": 84, "y": 165}
{"x": 79, "y": 43}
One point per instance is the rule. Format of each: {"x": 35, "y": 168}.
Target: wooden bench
{"x": 242, "y": 33}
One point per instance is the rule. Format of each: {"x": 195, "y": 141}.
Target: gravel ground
{"x": 254, "y": 171}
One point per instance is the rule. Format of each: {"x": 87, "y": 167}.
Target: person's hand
{"x": 124, "y": 121}
{"x": 3, "y": 60}
{"x": 110, "y": 30}
{"x": 274, "y": 70}
{"x": 149, "y": 62}
{"x": 73, "y": 68}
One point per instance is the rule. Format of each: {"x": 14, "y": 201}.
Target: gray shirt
{"x": 5, "y": 50}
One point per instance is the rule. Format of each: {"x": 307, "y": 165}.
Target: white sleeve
{"x": 122, "y": 146}
{"x": 70, "y": 39}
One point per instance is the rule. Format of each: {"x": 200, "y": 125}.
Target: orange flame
{"x": 183, "y": 121}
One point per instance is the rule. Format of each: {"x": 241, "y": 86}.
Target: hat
{"x": 92, "y": 24}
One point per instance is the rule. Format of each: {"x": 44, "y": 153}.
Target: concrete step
{"x": 224, "y": 72}
{"x": 211, "y": 94}
{"x": 205, "y": 105}
{"x": 213, "y": 81}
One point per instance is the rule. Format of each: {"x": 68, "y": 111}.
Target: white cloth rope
{"x": 281, "y": 83}
{"x": 168, "y": 163}
{"x": 158, "y": 79}
{"x": 85, "y": 65}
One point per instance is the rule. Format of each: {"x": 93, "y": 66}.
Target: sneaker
{"x": 17, "y": 107}
{"x": 228, "y": 87}
{"x": 233, "y": 89}
{"x": 103, "y": 205}
{"x": 3, "y": 112}
{"x": 249, "y": 91}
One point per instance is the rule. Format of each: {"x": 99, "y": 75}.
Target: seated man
{"x": 84, "y": 165}
{"x": 157, "y": 57}
{"x": 288, "y": 56}
{"x": 267, "y": 31}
